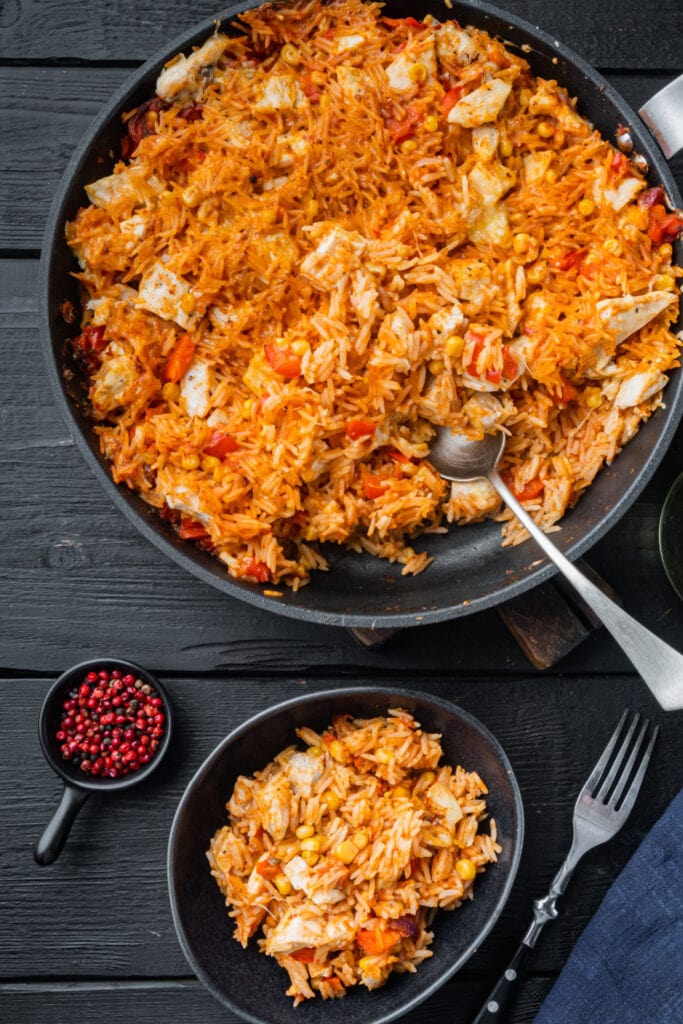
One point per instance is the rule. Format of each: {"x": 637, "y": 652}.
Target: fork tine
{"x": 634, "y": 788}
{"x": 624, "y": 774}
{"x": 618, "y": 761}
{"x": 594, "y": 776}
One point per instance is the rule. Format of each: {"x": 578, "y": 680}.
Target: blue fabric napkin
{"x": 627, "y": 967}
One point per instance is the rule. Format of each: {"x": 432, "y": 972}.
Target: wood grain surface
{"x": 91, "y": 937}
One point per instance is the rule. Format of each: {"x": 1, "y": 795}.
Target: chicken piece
{"x": 481, "y": 105}
{"x": 474, "y": 499}
{"x": 400, "y": 72}
{"x": 272, "y": 806}
{"x": 491, "y": 226}
{"x": 129, "y": 185}
{"x": 354, "y": 83}
{"x": 291, "y": 147}
{"x": 455, "y": 45}
{"x": 491, "y": 181}
{"x": 303, "y": 771}
{"x": 617, "y": 196}
{"x": 336, "y": 254}
{"x": 364, "y": 294}
{"x": 446, "y": 322}
{"x": 639, "y": 387}
{"x": 442, "y": 802}
{"x": 114, "y": 381}
{"x": 485, "y": 140}
{"x": 535, "y": 166}
{"x": 628, "y": 313}
{"x": 161, "y": 292}
{"x": 302, "y": 878}
{"x": 347, "y": 43}
{"x": 483, "y": 410}
{"x": 188, "y": 75}
{"x": 297, "y": 931}
{"x": 473, "y": 282}
{"x": 550, "y": 99}
{"x": 281, "y": 92}
{"x": 180, "y": 497}
{"x": 196, "y": 388}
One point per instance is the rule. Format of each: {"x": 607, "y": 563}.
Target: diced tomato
{"x": 664, "y": 227}
{"x": 309, "y": 89}
{"x": 268, "y": 868}
{"x": 405, "y": 128}
{"x": 650, "y": 196}
{"x": 194, "y": 112}
{"x": 510, "y": 364}
{"x": 374, "y": 486}
{"x": 305, "y": 955}
{"x": 568, "y": 393}
{"x": 377, "y": 940}
{"x": 144, "y": 121}
{"x": 259, "y": 571}
{"x": 283, "y": 361}
{"x": 410, "y": 22}
{"x": 180, "y": 359}
{"x": 529, "y": 491}
{"x": 92, "y": 339}
{"x": 572, "y": 258}
{"x": 359, "y": 428}
{"x": 618, "y": 165}
{"x": 493, "y": 374}
{"x": 396, "y": 456}
{"x": 190, "y": 529}
{"x": 451, "y": 98}
{"x": 221, "y": 445}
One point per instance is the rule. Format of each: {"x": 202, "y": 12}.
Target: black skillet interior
{"x": 471, "y": 571}
{"x": 253, "y": 984}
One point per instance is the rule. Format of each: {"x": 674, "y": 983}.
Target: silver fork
{"x": 602, "y": 807}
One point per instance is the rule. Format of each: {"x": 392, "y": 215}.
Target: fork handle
{"x": 500, "y": 995}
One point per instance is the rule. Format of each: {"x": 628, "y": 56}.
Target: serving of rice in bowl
{"x": 368, "y": 860}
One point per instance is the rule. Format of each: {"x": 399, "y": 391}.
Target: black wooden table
{"x": 91, "y": 937}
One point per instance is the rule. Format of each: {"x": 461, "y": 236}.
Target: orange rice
{"x": 344, "y": 852}
{"x": 330, "y": 231}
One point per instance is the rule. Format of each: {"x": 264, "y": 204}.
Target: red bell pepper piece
{"x": 190, "y": 529}
{"x": 374, "y": 486}
{"x": 305, "y": 955}
{"x": 283, "y": 361}
{"x": 180, "y": 359}
{"x": 359, "y": 428}
{"x": 259, "y": 571}
{"x": 221, "y": 445}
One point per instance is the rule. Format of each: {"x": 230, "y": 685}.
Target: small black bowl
{"x": 251, "y": 984}
{"x": 77, "y": 785}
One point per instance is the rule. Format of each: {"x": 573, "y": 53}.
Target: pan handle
{"x": 663, "y": 114}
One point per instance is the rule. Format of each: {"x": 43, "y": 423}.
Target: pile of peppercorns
{"x": 111, "y": 724}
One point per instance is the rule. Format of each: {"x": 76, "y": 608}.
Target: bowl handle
{"x": 663, "y": 114}
{"x": 52, "y": 841}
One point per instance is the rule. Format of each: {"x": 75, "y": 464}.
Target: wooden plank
{"x": 616, "y": 35}
{"x": 69, "y": 554}
{"x": 102, "y": 908}
{"x": 118, "y": 1002}
{"x": 50, "y": 110}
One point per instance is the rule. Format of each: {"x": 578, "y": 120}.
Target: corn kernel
{"x": 318, "y": 78}
{"x": 247, "y": 406}
{"x": 536, "y": 274}
{"x": 586, "y": 207}
{"x": 191, "y": 196}
{"x": 436, "y": 366}
{"x": 312, "y": 844}
{"x": 664, "y": 282}
{"x": 310, "y": 857}
{"x": 188, "y": 303}
{"x": 313, "y": 208}
{"x": 593, "y": 397}
{"x": 384, "y": 755}
{"x": 454, "y": 346}
{"x": 545, "y": 129}
{"x": 401, "y": 791}
{"x": 466, "y": 869}
{"x": 361, "y": 838}
{"x": 269, "y": 216}
{"x": 417, "y": 72}
{"x": 171, "y": 391}
{"x": 300, "y": 346}
{"x": 346, "y": 851}
{"x": 324, "y": 101}
{"x": 337, "y": 751}
{"x": 331, "y": 800}
{"x": 219, "y": 473}
{"x": 304, "y": 831}
{"x": 665, "y": 251}
{"x": 283, "y": 885}
{"x": 365, "y": 963}
{"x": 290, "y": 55}
{"x": 638, "y": 217}
{"x": 210, "y": 462}
{"x": 505, "y": 148}
{"x": 316, "y": 751}
{"x": 551, "y": 176}
{"x": 613, "y": 246}
{"x": 409, "y": 146}
{"x": 431, "y": 123}
{"x": 189, "y": 461}
{"x": 525, "y": 97}
{"x": 521, "y": 242}
{"x": 427, "y": 778}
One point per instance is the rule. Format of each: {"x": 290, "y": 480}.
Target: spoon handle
{"x": 659, "y": 664}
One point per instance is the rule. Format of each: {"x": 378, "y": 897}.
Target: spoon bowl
{"x": 459, "y": 459}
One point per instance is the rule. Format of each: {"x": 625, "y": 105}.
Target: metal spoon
{"x": 458, "y": 459}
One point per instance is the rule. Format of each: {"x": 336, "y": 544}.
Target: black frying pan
{"x": 471, "y": 571}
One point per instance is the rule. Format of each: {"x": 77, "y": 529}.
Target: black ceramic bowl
{"x": 77, "y": 785}
{"x": 252, "y": 984}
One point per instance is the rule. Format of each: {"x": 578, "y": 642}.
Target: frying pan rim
{"x": 181, "y": 552}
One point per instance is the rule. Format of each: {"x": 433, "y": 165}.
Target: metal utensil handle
{"x": 500, "y": 995}
{"x": 659, "y": 664}
{"x": 663, "y": 114}
{"x": 56, "y": 833}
